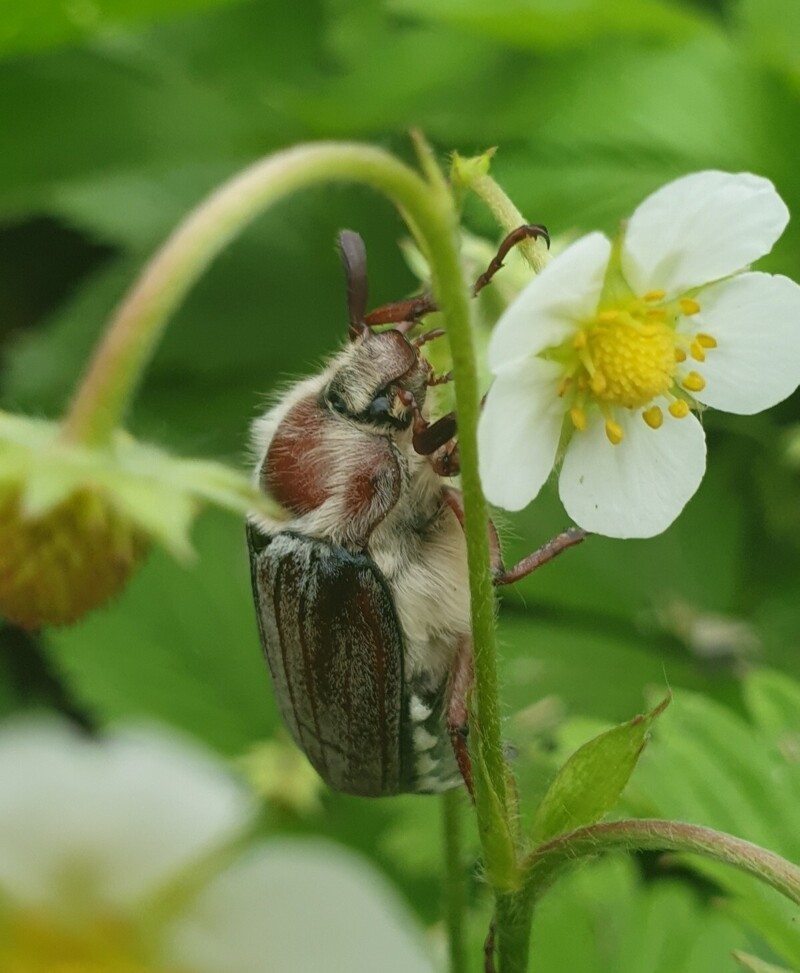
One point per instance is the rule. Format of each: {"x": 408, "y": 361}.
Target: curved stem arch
{"x": 551, "y": 858}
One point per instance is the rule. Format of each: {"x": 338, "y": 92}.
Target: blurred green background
{"x": 118, "y": 116}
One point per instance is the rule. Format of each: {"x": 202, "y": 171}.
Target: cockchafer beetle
{"x": 362, "y": 596}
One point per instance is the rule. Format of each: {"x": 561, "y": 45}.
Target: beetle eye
{"x": 378, "y": 409}
{"x": 336, "y": 402}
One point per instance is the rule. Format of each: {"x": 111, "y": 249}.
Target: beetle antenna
{"x": 354, "y": 260}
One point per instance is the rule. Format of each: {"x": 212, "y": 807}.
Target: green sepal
{"x": 158, "y": 493}
{"x": 465, "y": 170}
{"x": 592, "y": 780}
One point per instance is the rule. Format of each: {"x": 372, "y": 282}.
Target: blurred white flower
{"x": 611, "y": 349}
{"x": 121, "y": 856}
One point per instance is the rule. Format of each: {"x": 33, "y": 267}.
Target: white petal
{"x": 109, "y": 820}
{"x": 637, "y": 488}
{"x": 518, "y": 432}
{"x": 298, "y": 907}
{"x": 700, "y": 228}
{"x": 755, "y": 319}
{"x": 553, "y": 304}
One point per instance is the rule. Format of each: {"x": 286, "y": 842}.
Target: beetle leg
{"x": 428, "y": 437}
{"x": 407, "y": 313}
{"x": 402, "y": 311}
{"x": 462, "y": 676}
{"x": 440, "y": 379}
{"x": 432, "y": 335}
{"x": 445, "y": 461}
{"x": 547, "y": 552}
{"x": 434, "y": 435}
{"x": 488, "y": 949}
{"x": 454, "y": 500}
{"x": 526, "y": 232}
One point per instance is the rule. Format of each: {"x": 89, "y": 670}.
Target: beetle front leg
{"x": 529, "y": 231}
{"x": 462, "y": 676}
{"x": 402, "y": 312}
{"x": 546, "y": 553}
{"x": 433, "y": 439}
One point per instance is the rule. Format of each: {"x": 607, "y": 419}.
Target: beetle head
{"x": 377, "y": 365}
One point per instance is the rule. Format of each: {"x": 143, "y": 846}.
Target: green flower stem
{"x": 513, "y": 917}
{"x": 455, "y": 884}
{"x": 549, "y": 859}
{"x": 509, "y": 217}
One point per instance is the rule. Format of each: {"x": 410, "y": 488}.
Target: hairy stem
{"x": 549, "y": 859}
{"x": 509, "y": 217}
{"x": 455, "y": 885}
{"x": 513, "y": 917}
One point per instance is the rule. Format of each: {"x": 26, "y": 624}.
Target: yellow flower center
{"x": 32, "y": 943}
{"x": 628, "y": 356}
{"x": 633, "y": 362}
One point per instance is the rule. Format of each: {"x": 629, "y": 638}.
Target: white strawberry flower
{"x": 610, "y": 352}
{"x": 126, "y": 855}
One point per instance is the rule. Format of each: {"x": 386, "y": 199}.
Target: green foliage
{"x": 590, "y": 782}
{"x": 118, "y": 117}
{"x": 708, "y": 765}
{"x": 605, "y": 917}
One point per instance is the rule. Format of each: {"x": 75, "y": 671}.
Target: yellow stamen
{"x": 564, "y": 385}
{"x": 598, "y": 383}
{"x": 606, "y": 317}
{"x": 694, "y": 382}
{"x": 579, "y": 341}
{"x": 653, "y": 416}
{"x": 655, "y": 295}
{"x": 688, "y": 305}
{"x": 650, "y": 330}
{"x": 614, "y": 432}
{"x": 578, "y": 417}
{"x": 657, "y": 312}
{"x": 706, "y": 340}
{"x": 697, "y": 351}
{"x": 680, "y": 354}
{"x": 679, "y": 408}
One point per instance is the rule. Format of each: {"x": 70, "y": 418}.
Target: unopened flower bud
{"x": 57, "y": 567}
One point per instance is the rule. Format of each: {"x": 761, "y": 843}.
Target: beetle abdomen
{"x": 335, "y": 650}
{"x": 334, "y": 646}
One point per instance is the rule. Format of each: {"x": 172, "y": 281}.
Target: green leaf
{"x": 605, "y": 917}
{"x": 592, "y": 780}
{"x": 771, "y": 28}
{"x": 39, "y": 24}
{"x": 708, "y": 765}
{"x": 756, "y": 965}
{"x": 773, "y": 701}
{"x": 540, "y": 24}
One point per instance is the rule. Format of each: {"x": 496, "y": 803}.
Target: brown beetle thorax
{"x": 338, "y": 451}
